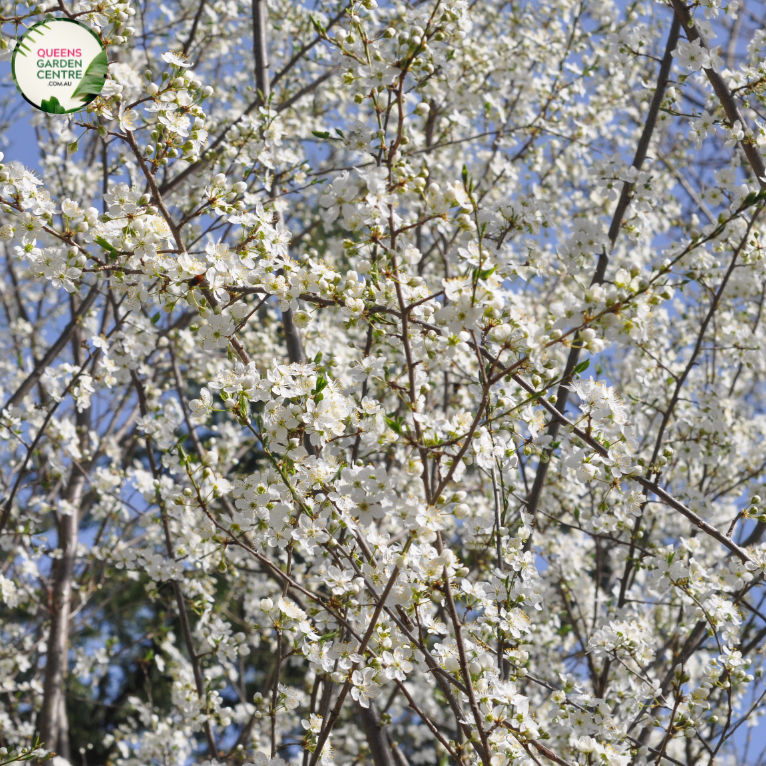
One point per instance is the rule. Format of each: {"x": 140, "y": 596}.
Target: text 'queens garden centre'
{"x": 59, "y": 63}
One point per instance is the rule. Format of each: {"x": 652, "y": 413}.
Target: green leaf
{"x": 321, "y": 384}
{"x": 52, "y": 106}
{"x": 395, "y": 424}
{"x": 321, "y": 133}
{"x": 317, "y": 26}
{"x": 464, "y": 174}
{"x": 244, "y": 410}
{"x": 109, "y": 248}
{"x": 484, "y": 273}
{"x": 156, "y": 318}
{"x": 582, "y": 366}
{"x": 93, "y": 80}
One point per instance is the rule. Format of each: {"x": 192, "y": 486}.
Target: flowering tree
{"x": 386, "y": 385}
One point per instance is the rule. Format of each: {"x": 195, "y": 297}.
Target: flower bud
{"x": 462, "y": 510}
{"x": 596, "y": 346}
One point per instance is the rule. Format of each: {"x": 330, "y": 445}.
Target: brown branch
{"x": 54, "y": 350}
{"x": 335, "y": 714}
{"x": 668, "y": 499}
{"x": 533, "y": 499}
{"x": 178, "y": 593}
{"x": 725, "y": 96}
{"x": 52, "y": 722}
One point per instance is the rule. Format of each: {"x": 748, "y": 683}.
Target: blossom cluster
{"x": 401, "y": 405}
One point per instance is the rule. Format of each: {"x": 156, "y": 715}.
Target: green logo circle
{"x": 59, "y": 65}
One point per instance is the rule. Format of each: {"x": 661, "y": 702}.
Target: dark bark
{"x": 377, "y": 740}
{"x": 53, "y": 725}
{"x": 54, "y": 350}
{"x": 295, "y": 352}
{"x": 725, "y": 96}
{"x": 562, "y": 395}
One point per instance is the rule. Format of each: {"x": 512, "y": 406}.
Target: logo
{"x": 59, "y": 65}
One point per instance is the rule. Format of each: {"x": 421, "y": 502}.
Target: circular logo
{"x": 59, "y": 65}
